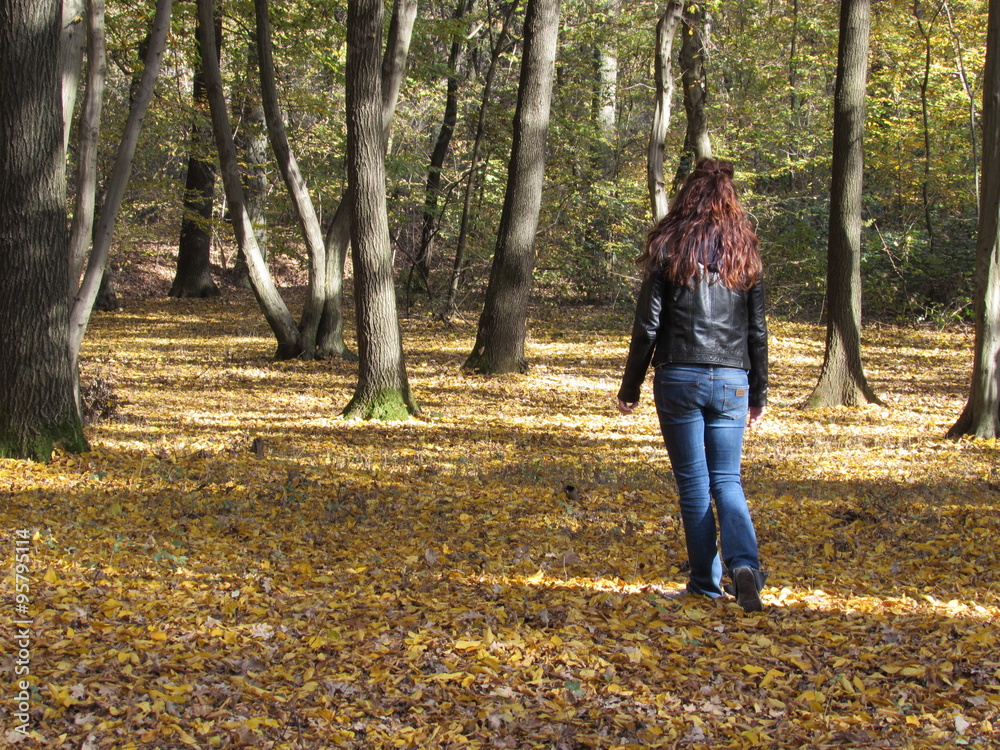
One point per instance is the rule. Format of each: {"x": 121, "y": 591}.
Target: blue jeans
{"x": 703, "y": 411}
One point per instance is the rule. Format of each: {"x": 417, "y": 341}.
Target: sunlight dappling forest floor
{"x": 233, "y": 565}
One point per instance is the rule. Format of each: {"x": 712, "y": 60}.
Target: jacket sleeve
{"x": 757, "y": 345}
{"x": 644, "y": 332}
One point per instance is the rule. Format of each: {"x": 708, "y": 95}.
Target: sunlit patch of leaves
{"x": 233, "y": 565}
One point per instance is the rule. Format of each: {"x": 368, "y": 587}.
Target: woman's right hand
{"x": 756, "y": 414}
{"x": 625, "y": 407}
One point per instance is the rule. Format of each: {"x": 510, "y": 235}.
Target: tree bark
{"x": 71, "y": 47}
{"x": 842, "y": 379}
{"x": 450, "y": 306}
{"x": 382, "y": 391}
{"x": 89, "y": 128}
{"x": 298, "y": 191}
{"x": 272, "y": 305}
{"x": 981, "y": 415}
{"x": 330, "y": 340}
{"x": 666, "y": 28}
{"x": 250, "y": 138}
{"x": 695, "y": 30}
{"x": 499, "y": 346}
{"x": 193, "y": 277}
{"x": 428, "y": 227}
{"x": 38, "y": 397}
{"x": 118, "y": 181}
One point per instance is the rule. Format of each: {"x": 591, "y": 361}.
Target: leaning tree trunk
{"x": 695, "y": 30}
{"x": 251, "y": 143}
{"x": 38, "y": 400}
{"x": 382, "y": 391}
{"x": 842, "y": 379}
{"x": 298, "y": 191}
{"x": 666, "y": 28}
{"x": 981, "y": 416}
{"x": 499, "y": 346}
{"x": 330, "y": 340}
{"x": 271, "y": 304}
{"x": 90, "y": 287}
{"x": 89, "y": 128}
{"x": 193, "y": 277}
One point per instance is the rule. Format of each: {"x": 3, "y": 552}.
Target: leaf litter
{"x": 233, "y": 565}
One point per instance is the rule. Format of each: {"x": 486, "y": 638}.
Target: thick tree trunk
{"x": 382, "y": 391}
{"x": 695, "y": 31}
{"x": 842, "y": 379}
{"x": 89, "y": 129}
{"x": 428, "y": 228}
{"x": 330, "y": 340}
{"x": 981, "y": 416}
{"x": 666, "y": 28}
{"x": 298, "y": 191}
{"x": 118, "y": 181}
{"x": 38, "y": 399}
{"x": 499, "y": 346}
{"x": 271, "y": 304}
{"x": 193, "y": 277}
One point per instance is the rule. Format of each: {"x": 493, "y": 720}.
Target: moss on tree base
{"x": 68, "y": 437}
{"x": 388, "y": 404}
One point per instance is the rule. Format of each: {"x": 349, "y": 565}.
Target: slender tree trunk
{"x": 298, "y": 191}
{"x": 981, "y": 416}
{"x": 842, "y": 379}
{"x": 89, "y": 128}
{"x": 450, "y": 307}
{"x": 38, "y": 398}
{"x": 499, "y": 346}
{"x": 272, "y": 305}
{"x": 428, "y": 228}
{"x": 970, "y": 95}
{"x": 72, "y": 44}
{"x": 250, "y": 138}
{"x": 925, "y": 188}
{"x": 695, "y": 32}
{"x": 115, "y": 190}
{"x": 382, "y": 391}
{"x": 193, "y": 277}
{"x": 330, "y": 340}
{"x": 666, "y": 28}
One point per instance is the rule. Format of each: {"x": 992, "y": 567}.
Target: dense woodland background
{"x": 770, "y": 76}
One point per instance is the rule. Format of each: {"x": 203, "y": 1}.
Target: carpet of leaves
{"x": 233, "y": 565}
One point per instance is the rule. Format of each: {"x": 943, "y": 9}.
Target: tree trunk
{"x": 499, "y": 346}
{"x": 981, "y": 416}
{"x": 38, "y": 398}
{"x": 193, "y": 277}
{"x": 251, "y": 143}
{"x": 450, "y": 306}
{"x": 298, "y": 192}
{"x": 330, "y": 340}
{"x": 428, "y": 228}
{"x": 666, "y": 28}
{"x": 71, "y": 47}
{"x": 118, "y": 181}
{"x": 695, "y": 31}
{"x": 89, "y": 129}
{"x": 382, "y": 391}
{"x": 271, "y": 304}
{"x": 842, "y": 379}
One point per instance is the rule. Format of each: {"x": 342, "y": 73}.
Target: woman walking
{"x": 700, "y": 320}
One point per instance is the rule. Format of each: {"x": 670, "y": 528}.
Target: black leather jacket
{"x": 707, "y": 325}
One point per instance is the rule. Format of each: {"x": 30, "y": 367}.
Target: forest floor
{"x": 435, "y": 584}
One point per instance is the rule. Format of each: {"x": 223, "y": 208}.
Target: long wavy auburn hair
{"x": 705, "y": 228}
